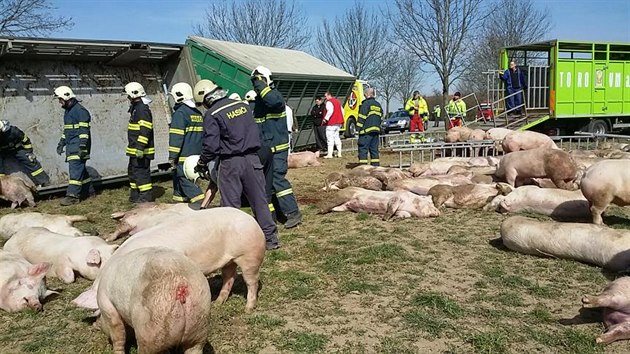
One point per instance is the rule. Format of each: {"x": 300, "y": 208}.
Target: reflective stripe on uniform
{"x": 279, "y": 148}
{"x": 363, "y": 161}
{"x": 362, "y": 116}
{"x": 276, "y": 115}
{"x": 197, "y": 198}
{"x": 73, "y": 157}
{"x": 145, "y": 187}
{"x": 226, "y": 106}
{"x": 284, "y": 192}
{"x": 25, "y": 139}
{"x": 63, "y": 136}
{"x": 133, "y": 185}
{"x": 132, "y": 126}
{"x": 28, "y": 146}
{"x": 265, "y": 91}
{"x": 375, "y": 160}
{"x": 371, "y": 129}
{"x": 182, "y": 159}
{"x": 146, "y": 124}
{"x": 84, "y": 136}
{"x": 194, "y": 129}
{"x": 133, "y": 151}
{"x": 359, "y": 125}
{"x": 70, "y": 126}
{"x": 143, "y": 139}
{"x": 260, "y": 120}
{"x": 174, "y": 149}
{"x": 36, "y": 172}
{"x": 376, "y": 113}
{"x": 74, "y": 182}
{"x": 179, "y": 199}
{"x": 84, "y": 124}
{"x": 271, "y": 207}
{"x": 176, "y": 131}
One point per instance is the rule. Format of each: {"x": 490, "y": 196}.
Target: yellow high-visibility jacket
{"x": 411, "y": 105}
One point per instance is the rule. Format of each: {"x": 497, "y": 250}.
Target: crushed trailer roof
{"x": 281, "y": 62}
{"x": 110, "y": 52}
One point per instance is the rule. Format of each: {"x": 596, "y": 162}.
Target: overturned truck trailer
{"x": 97, "y": 71}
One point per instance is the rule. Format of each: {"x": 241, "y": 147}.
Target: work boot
{"x": 272, "y": 246}
{"x": 293, "y": 220}
{"x": 195, "y": 205}
{"x": 69, "y": 200}
{"x": 339, "y": 154}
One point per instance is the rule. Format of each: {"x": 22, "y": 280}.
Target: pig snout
{"x": 33, "y": 303}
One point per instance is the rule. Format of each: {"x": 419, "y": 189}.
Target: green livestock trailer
{"x": 572, "y": 86}
{"x": 299, "y": 76}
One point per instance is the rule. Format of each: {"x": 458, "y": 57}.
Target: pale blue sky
{"x": 171, "y": 21}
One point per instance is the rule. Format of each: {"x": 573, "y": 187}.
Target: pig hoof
{"x": 586, "y": 301}
{"x": 599, "y": 340}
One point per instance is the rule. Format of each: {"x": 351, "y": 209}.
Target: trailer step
{"x": 534, "y": 123}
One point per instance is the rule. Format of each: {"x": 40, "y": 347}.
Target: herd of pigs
{"x": 167, "y": 303}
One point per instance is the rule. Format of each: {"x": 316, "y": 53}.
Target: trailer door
{"x": 614, "y": 94}
{"x": 599, "y": 88}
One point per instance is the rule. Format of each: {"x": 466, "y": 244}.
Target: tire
{"x": 351, "y": 128}
{"x": 598, "y": 126}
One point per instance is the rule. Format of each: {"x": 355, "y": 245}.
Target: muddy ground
{"x": 352, "y": 283}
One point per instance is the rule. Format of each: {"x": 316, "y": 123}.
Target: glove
{"x": 173, "y": 163}
{"x": 139, "y": 153}
{"x": 259, "y": 83}
{"x": 202, "y": 170}
{"x": 83, "y": 152}
{"x": 31, "y": 157}
{"x": 60, "y": 147}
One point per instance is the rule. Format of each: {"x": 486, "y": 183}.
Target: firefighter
{"x": 15, "y": 144}
{"x": 437, "y": 114}
{"x": 230, "y": 134}
{"x": 76, "y": 139}
{"x": 369, "y": 125}
{"x": 419, "y": 112}
{"x": 140, "y": 148}
{"x": 270, "y": 113}
{"x": 184, "y": 139}
{"x": 456, "y": 110}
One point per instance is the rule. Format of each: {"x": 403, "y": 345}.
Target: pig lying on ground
{"x": 477, "y": 134}
{"x": 22, "y": 284}
{"x": 384, "y": 174}
{"x": 538, "y": 163}
{"x": 527, "y": 140}
{"x": 61, "y": 224}
{"x": 18, "y": 189}
{"x": 144, "y": 216}
{"x": 217, "y": 238}
{"x": 66, "y": 254}
{"x": 457, "y": 134}
{"x": 303, "y": 159}
{"x": 336, "y": 180}
{"x": 606, "y": 182}
{"x": 615, "y": 300}
{"x": 498, "y": 133}
{"x": 400, "y": 204}
{"x": 166, "y": 303}
{"x": 486, "y": 170}
{"x": 471, "y": 196}
{"x": 594, "y": 244}
{"x": 421, "y": 185}
{"x": 554, "y": 202}
{"x": 442, "y": 165}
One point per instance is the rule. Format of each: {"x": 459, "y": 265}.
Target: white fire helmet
{"x": 64, "y": 92}
{"x": 266, "y": 73}
{"x": 251, "y": 95}
{"x": 202, "y": 88}
{"x": 181, "y": 92}
{"x": 235, "y": 96}
{"x": 189, "y": 169}
{"x": 134, "y": 90}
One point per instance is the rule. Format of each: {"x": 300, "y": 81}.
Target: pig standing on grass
{"x": 61, "y": 224}
{"x": 161, "y": 294}
{"x": 516, "y": 167}
{"x": 67, "y": 254}
{"x": 217, "y": 238}
{"x": 615, "y": 300}
{"x": 606, "y": 182}
{"x": 22, "y": 284}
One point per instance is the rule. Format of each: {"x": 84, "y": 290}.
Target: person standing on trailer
{"x": 76, "y": 139}
{"x": 514, "y": 79}
{"x": 184, "y": 139}
{"x": 140, "y": 148}
{"x": 369, "y": 126}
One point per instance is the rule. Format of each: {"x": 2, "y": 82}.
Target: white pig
{"x": 22, "y": 284}
{"x": 144, "y": 216}
{"x": 615, "y": 301}
{"x": 161, "y": 294}
{"x": 67, "y": 254}
{"x": 594, "y": 244}
{"x": 606, "y": 182}
{"x": 303, "y": 159}
{"x": 61, "y": 224}
{"x": 527, "y": 140}
{"x": 546, "y": 201}
{"x": 516, "y": 167}
{"x": 217, "y": 238}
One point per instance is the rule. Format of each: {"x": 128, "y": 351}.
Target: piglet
{"x": 22, "y": 284}
{"x": 18, "y": 189}
{"x": 615, "y": 300}
{"x": 67, "y": 254}
{"x": 161, "y": 294}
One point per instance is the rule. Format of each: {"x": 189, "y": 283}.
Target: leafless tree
{"x": 30, "y": 18}
{"x": 354, "y": 42}
{"x": 522, "y": 23}
{"x": 409, "y": 77}
{"x": 440, "y": 33}
{"x": 386, "y": 76}
{"x": 272, "y": 23}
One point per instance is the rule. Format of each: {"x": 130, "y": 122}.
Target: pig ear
{"x": 50, "y": 292}
{"x": 38, "y": 270}
{"x": 93, "y": 257}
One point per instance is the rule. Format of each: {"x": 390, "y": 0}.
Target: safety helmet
{"x": 134, "y": 90}
{"x": 181, "y": 92}
{"x": 416, "y": 93}
{"x": 189, "y": 169}
{"x": 266, "y": 73}
{"x": 202, "y": 88}
{"x": 235, "y": 96}
{"x": 251, "y": 95}
{"x": 4, "y": 126}
{"x": 64, "y": 92}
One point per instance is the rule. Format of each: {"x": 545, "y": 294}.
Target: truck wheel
{"x": 598, "y": 126}
{"x": 351, "y": 128}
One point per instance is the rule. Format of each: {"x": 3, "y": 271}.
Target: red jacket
{"x": 337, "y": 115}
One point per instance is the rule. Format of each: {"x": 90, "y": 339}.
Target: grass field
{"x": 352, "y": 283}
